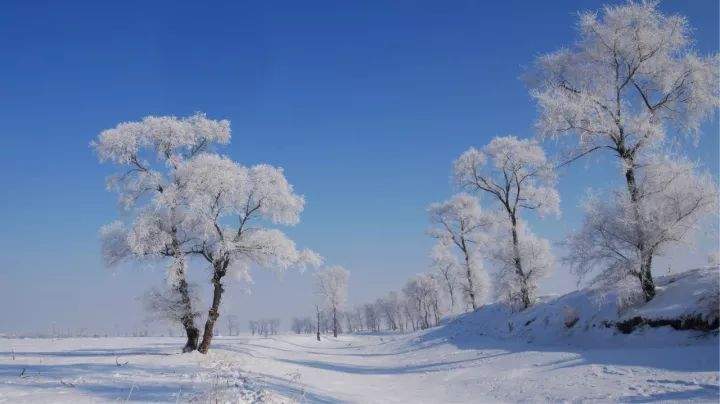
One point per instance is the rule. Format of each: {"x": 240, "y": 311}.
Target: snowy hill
{"x": 589, "y": 317}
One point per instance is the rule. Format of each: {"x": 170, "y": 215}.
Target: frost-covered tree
{"x": 675, "y": 200}
{"x": 514, "y": 286}
{"x": 169, "y": 305}
{"x": 372, "y": 317}
{"x": 423, "y": 293}
{"x": 331, "y": 286}
{"x": 459, "y": 222}
{"x": 229, "y": 203}
{"x": 149, "y": 153}
{"x": 446, "y": 268}
{"x": 631, "y": 75}
{"x": 516, "y": 174}
{"x": 390, "y": 307}
{"x": 233, "y": 324}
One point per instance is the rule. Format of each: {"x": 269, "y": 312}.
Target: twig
{"x": 120, "y": 364}
{"x": 66, "y": 384}
{"x": 130, "y": 393}
{"x": 22, "y": 374}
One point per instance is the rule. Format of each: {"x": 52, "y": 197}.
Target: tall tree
{"x": 149, "y": 153}
{"x": 631, "y": 74}
{"x": 459, "y": 221}
{"x": 219, "y": 192}
{"x": 518, "y": 177}
{"x": 331, "y": 286}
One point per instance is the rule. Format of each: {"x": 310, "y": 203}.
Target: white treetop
{"x": 150, "y": 149}
{"x": 331, "y": 285}
{"x": 632, "y": 71}
{"x": 513, "y": 171}
{"x": 216, "y": 189}
{"x": 460, "y": 222}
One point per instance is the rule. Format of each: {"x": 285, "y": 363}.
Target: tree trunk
{"x": 468, "y": 269}
{"x": 335, "y": 323}
{"x": 317, "y": 310}
{"x": 451, "y": 290}
{"x": 524, "y": 287}
{"x": 214, "y": 312}
{"x": 187, "y": 318}
{"x": 645, "y": 270}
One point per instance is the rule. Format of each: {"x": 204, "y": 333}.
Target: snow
{"x": 491, "y": 355}
{"x": 689, "y": 294}
{"x": 692, "y": 293}
{"x": 427, "y": 367}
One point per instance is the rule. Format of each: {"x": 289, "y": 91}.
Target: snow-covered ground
{"x": 426, "y": 367}
{"x": 564, "y": 348}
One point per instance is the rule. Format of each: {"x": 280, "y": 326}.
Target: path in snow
{"x": 365, "y": 369}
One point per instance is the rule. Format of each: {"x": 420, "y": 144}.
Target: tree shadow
{"x": 392, "y": 370}
{"x": 99, "y": 380}
{"x": 91, "y": 352}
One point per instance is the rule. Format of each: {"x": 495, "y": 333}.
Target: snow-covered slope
{"x": 687, "y": 300}
{"x": 590, "y": 317}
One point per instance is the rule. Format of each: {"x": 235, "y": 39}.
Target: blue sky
{"x": 364, "y": 104}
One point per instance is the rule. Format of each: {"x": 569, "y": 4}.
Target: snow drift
{"x": 591, "y": 317}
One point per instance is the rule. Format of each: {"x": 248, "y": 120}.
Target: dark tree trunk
{"x": 335, "y": 323}
{"x": 646, "y": 279}
{"x": 451, "y": 289}
{"x": 187, "y": 318}
{"x": 193, "y": 334}
{"x": 317, "y": 310}
{"x": 645, "y": 271}
{"x": 468, "y": 269}
{"x": 524, "y": 287}
{"x": 214, "y": 312}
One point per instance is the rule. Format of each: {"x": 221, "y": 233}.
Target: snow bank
{"x": 591, "y": 317}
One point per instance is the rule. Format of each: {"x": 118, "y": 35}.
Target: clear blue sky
{"x": 365, "y": 104}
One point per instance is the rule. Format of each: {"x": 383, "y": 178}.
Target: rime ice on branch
{"x": 459, "y": 224}
{"x": 517, "y": 176}
{"x": 217, "y": 190}
{"x": 182, "y": 197}
{"x": 631, "y": 75}
{"x": 331, "y": 286}
{"x": 149, "y": 153}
